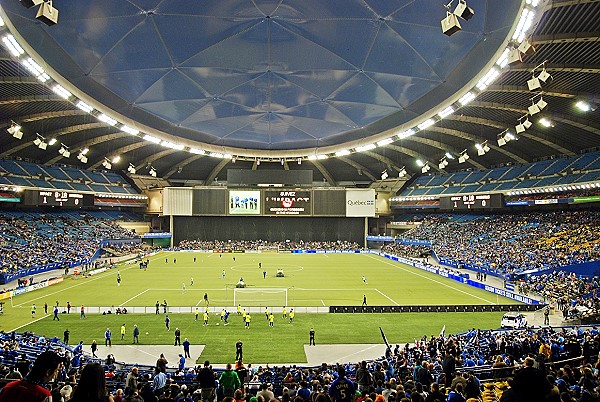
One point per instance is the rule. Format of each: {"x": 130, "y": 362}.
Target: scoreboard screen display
{"x": 287, "y": 202}
{"x": 472, "y": 201}
{"x": 58, "y": 198}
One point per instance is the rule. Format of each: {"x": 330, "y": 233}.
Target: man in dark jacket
{"x": 206, "y": 379}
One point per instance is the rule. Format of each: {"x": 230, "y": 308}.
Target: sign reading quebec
{"x": 360, "y": 202}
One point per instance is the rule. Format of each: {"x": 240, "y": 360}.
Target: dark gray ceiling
{"x": 268, "y": 76}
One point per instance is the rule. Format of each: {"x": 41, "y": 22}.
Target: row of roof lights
{"x": 557, "y": 189}
{"x": 524, "y": 25}
{"x": 123, "y": 196}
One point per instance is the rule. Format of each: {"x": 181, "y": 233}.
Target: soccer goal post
{"x": 260, "y": 296}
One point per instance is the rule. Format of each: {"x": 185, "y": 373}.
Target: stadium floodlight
{"x": 384, "y": 174}
{"x": 131, "y": 169}
{"x": 425, "y": 168}
{"x": 449, "y": 155}
{"x": 546, "y": 122}
{"x": 15, "y": 130}
{"x": 501, "y": 140}
{"x": 343, "y": 152}
{"x": 534, "y": 83}
{"x": 534, "y": 108}
{"x": 527, "y": 123}
{"x": 40, "y": 142}
{"x": 443, "y": 163}
{"x": 52, "y": 141}
{"x": 81, "y": 156}
{"x": 106, "y": 163}
{"x": 299, "y": 160}
{"x": 152, "y": 172}
{"x": 420, "y": 163}
{"x": 450, "y": 24}
{"x": 482, "y": 149}
{"x": 47, "y": 14}
{"x": 514, "y": 56}
{"x": 402, "y": 172}
{"x": 464, "y": 156}
{"x": 466, "y": 98}
{"x": 544, "y": 75}
{"x": 64, "y": 151}
{"x": 463, "y": 10}
{"x": 84, "y": 106}
{"x": 526, "y": 47}
{"x": 387, "y": 141}
{"x": 116, "y": 159}
{"x": 541, "y": 104}
{"x": 585, "y": 106}
{"x": 519, "y": 128}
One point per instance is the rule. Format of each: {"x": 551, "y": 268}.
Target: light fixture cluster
{"x": 420, "y": 198}
{"x": 384, "y": 174}
{"x": 46, "y": 13}
{"x": 555, "y": 189}
{"x": 526, "y": 19}
{"x": 15, "y": 130}
{"x": 451, "y": 24}
{"x": 463, "y": 157}
{"x": 505, "y": 137}
{"x": 482, "y": 148}
{"x": 123, "y": 196}
{"x": 152, "y": 171}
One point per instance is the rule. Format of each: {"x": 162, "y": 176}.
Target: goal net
{"x": 260, "y": 296}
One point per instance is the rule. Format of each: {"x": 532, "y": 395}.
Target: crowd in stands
{"x": 407, "y": 250}
{"x": 219, "y": 245}
{"x": 521, "y": 365}
{"x": 513, "y": 243}
{"x": 33, "y": 240}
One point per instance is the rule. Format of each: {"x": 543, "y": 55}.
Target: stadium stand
{"x": 574, "y": 170}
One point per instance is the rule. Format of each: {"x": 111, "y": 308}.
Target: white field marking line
{"x": 433, "y": 280}
{"x": 99, "y": 276}
{"x": 131, "y": 298}
{"x": 384, "y": 295}
{"x": 29, "y": 323}
{"x": 140, "y": 350}
{"x": 323, "y": 303}
{"x": 345, "y": 358}
{"x": 329, "y": 290}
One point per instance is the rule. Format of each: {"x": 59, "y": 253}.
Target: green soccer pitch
{"x": 311, "y": 281}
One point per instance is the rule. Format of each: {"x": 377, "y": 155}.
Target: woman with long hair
{"x": 91, "y": 386}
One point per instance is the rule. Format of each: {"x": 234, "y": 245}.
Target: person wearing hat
{"x": 342, "y": 389}
{"x": 33, "y": 387}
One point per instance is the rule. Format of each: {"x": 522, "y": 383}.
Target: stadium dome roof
{"x": 281, "y": 80}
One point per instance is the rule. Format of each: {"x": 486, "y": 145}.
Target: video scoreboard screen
{"x": 287, "y": 202}
{"x": 244, "y": 202}
{"x": 58, "y": 198}
{"x": 472, "y": 201}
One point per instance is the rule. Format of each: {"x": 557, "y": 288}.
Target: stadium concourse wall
{"x": 269, "y": 228}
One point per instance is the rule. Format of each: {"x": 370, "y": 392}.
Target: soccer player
{"x": 191, "y": 282}
{"x": 284, "y": 315}
{"x": 292, "y": 315}
{"x": 118, "y": 279}
{"x": 364, "y": 303}
{"x": 205, "y": 316}
{"x": 183, "y": 287}
{"x": 222, "y": 314}
{"x": 206, "y": 299}
{"x": 244, "y": 316}
{"x": 223, "y": 274}
{"x": 166, "y": 260}
{"x": 342, "y": 389}
{"x": 239, "y": 309}
{"x": 194, "y": 259}
{"x": 168, "y": 323}
{"x": 271, "y": 320}
{"x": 157, "y": 307}
{"x": 264, "y": 274}
{"x": 197, "y": 312}
{"x": 136, "y": 334}
{"x": 123, "y": 329}
{"x": 226, "y": 317}
{"x": 55, "y": 314}
{"x": 174, "y": 260}
{"x": 260, "y": 265}
{"x": 33, "y": 308}
{"x": 82, "y": 312}
{"x": 364, "y": 280}
{"x": 165, "y": 306}
{"x": 311, "y": 337}
{"x": 247, "y": 320}
{"x": 233, "y": 259}
{"x": 266, "y": 313}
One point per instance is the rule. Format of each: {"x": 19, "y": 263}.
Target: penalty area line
{"x": 131, "y": 298}
{"x": 433, "y": 280}
{"x": 386, "y": 296}
{"x": 29, "y": 323}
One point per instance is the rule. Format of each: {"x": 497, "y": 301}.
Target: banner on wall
{"x": 360, "y": 203}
